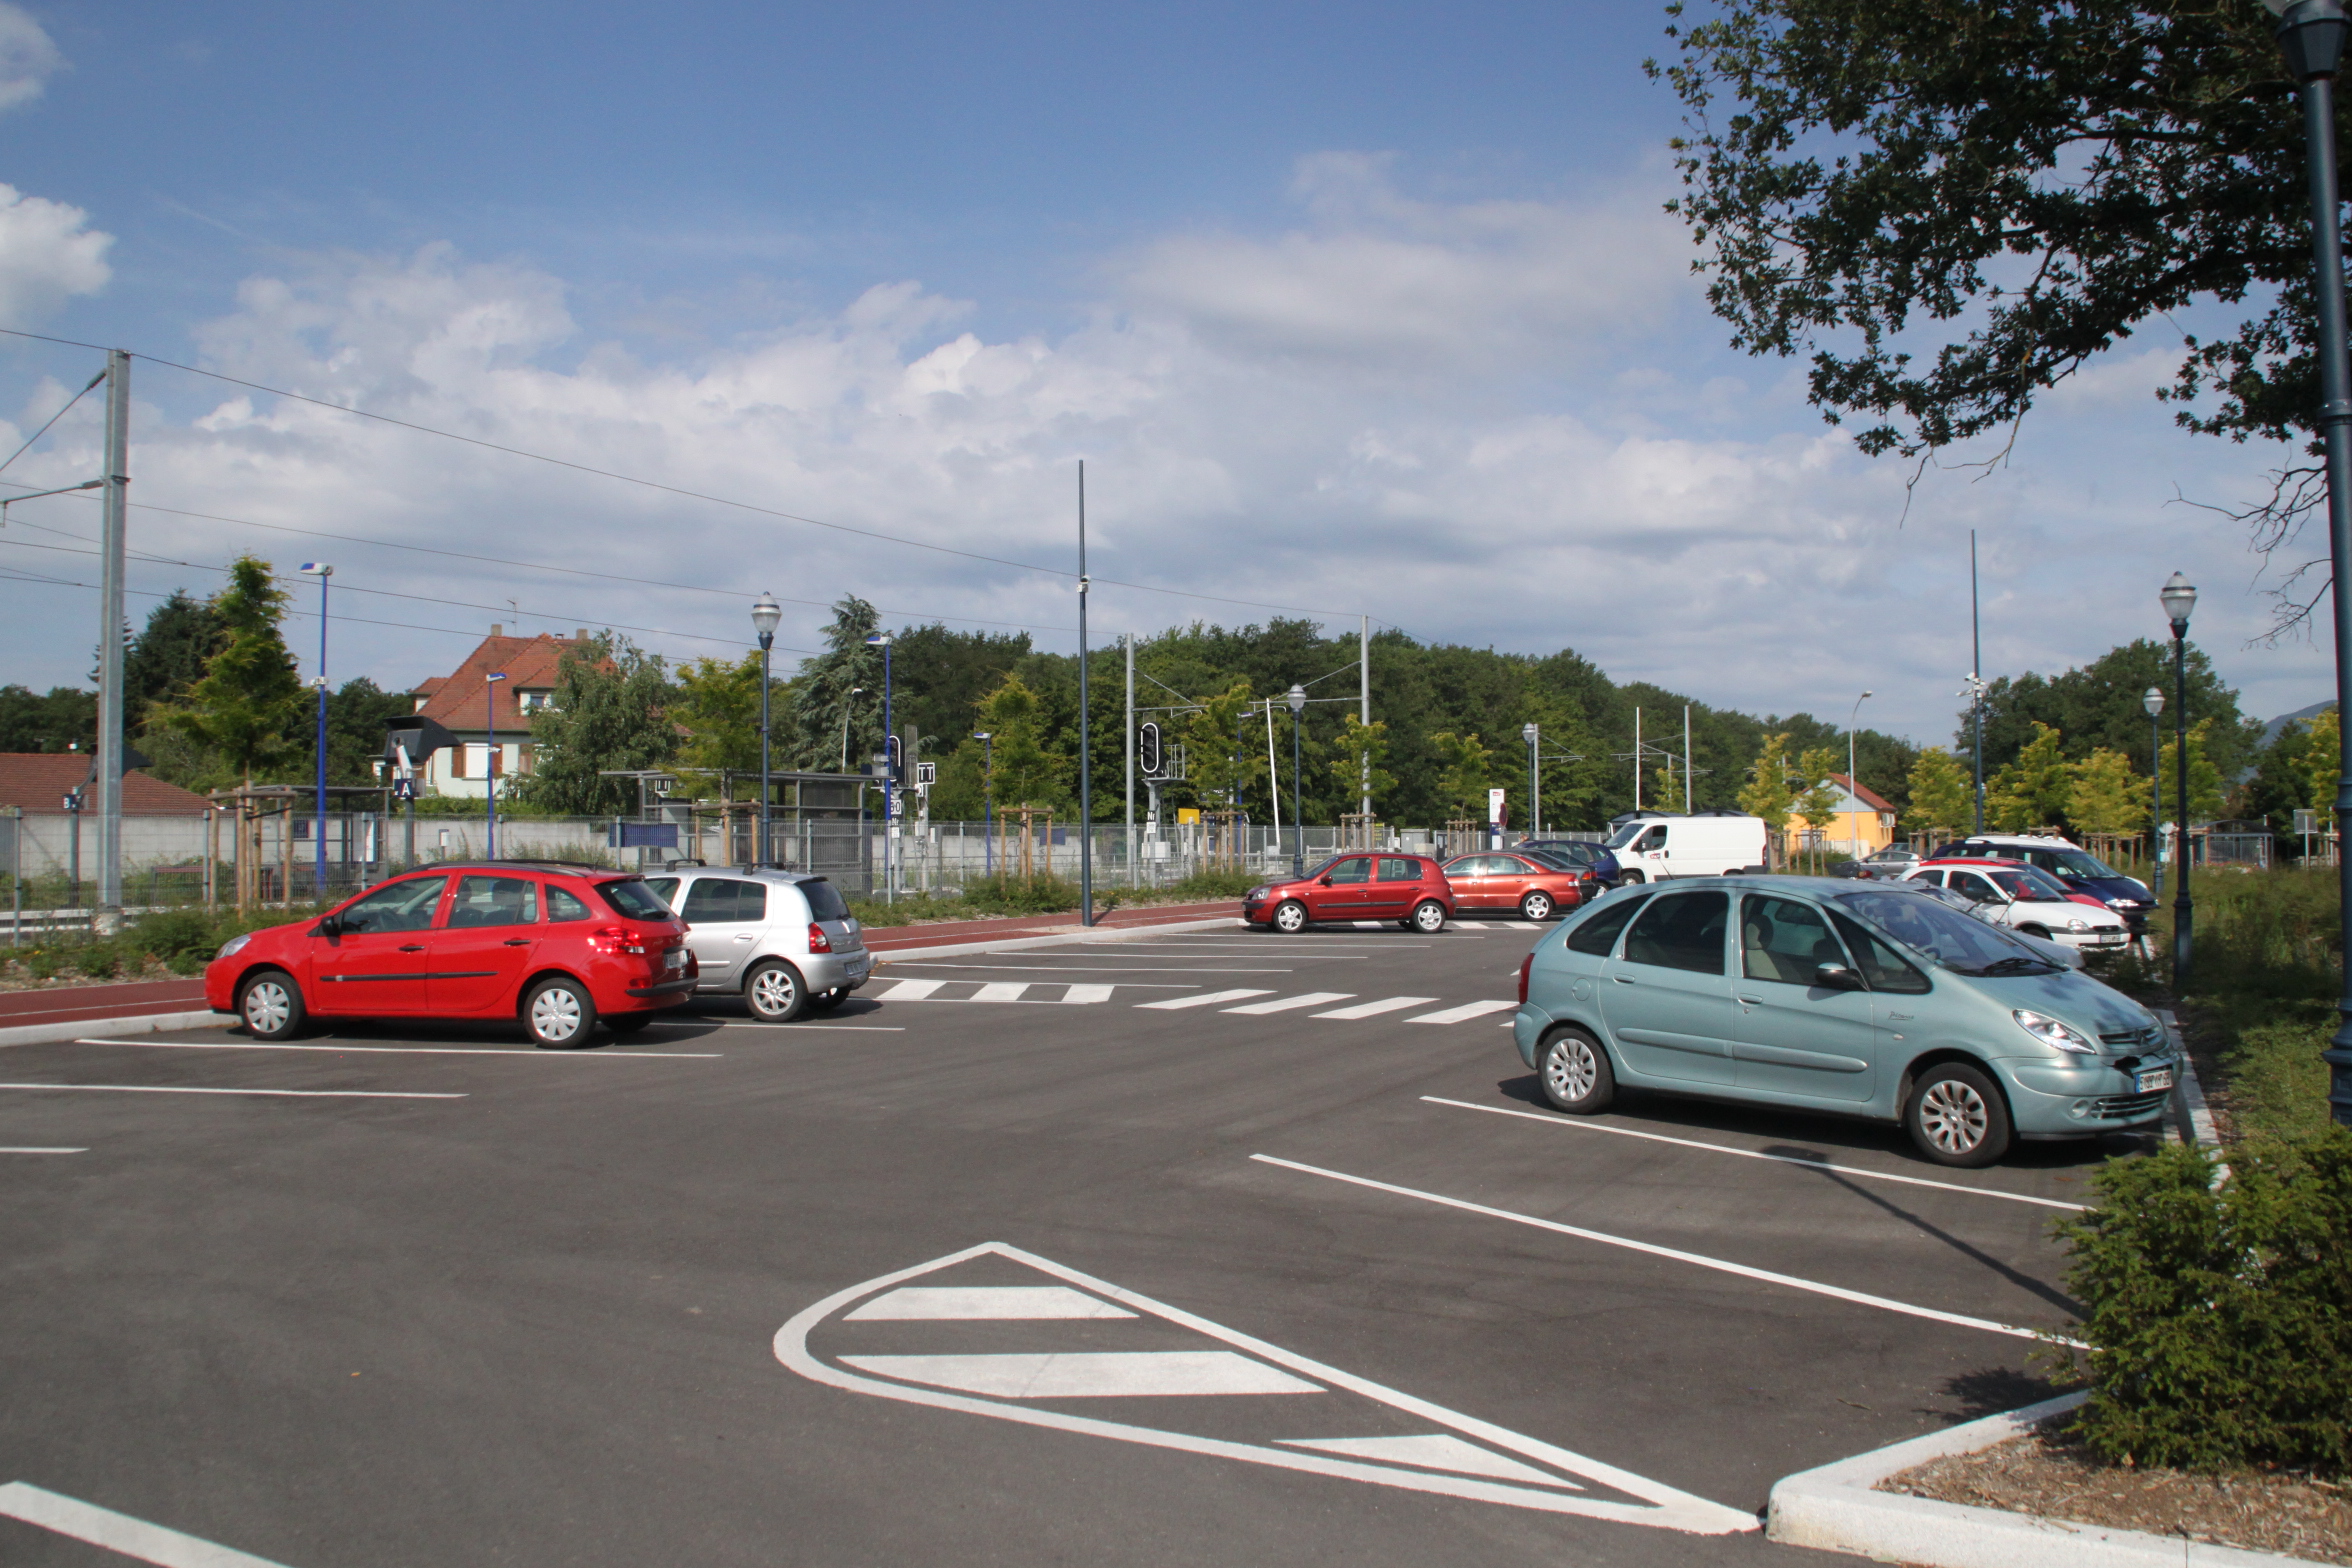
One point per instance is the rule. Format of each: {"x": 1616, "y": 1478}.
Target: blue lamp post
{"x": 987, "y": 740}
{"x": 318, "y": 827}
{"x": 881, "y": 640}
{"x": 490, "y": 764}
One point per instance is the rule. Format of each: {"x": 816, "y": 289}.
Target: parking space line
{"x": 304, "y": 1094}
{"x": 1283, "y": 1004}
{"x": 1393, "y": 1004}
{"x": 745, "y": 1024}
{"x": 43, "y": 1151}
{"x": 118, "y": 1533}
{"x": 1462, "y": 1014}
{"x": 1204, "y": 1000}
{"x": 1757, "y": 1154}
{"x": 1089, "y": 969}
{"x": 1701, "y": 1260}
{"x": 403, "y": 1050}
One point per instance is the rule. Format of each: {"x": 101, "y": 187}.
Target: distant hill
{"x": 2270, "y": 731}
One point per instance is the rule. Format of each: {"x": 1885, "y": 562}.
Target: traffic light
{"x": 893, "y": 754}
{"x": 1148, "y": 744}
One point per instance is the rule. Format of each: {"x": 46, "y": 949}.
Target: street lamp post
{"x": 1853, "y": 779}
{"x": 2154, "y": 703}
{"x": 1530, "y": 734}
{"x": 2312, "y": 33}
{"x": 1298, "y": 811}
{"x": 490, "y": 764}
{"x": 766, "y": 616}
{"x": 2179, "y": 599}
{"x": 987, "y": 740}
{"x": 881, "y": 640}
{"x": 318, "y": 827}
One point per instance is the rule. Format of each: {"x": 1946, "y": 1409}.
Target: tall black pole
{"x": 2183, "y": 912}
{"x": 1085, "y": 750}
{"x": 766, "y": 838}
{"x": 1298, "y": 808}
{"x": 1976, "y": 681}
{"x": 2156, "y": 798}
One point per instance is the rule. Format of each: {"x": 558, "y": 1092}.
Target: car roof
{"x": 763, "y": 873}
{"x": 570, "y": 868}
{"x": 2006, "y": 862}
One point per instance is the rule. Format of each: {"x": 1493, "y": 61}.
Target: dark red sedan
{"x": 1502, "y": 883}
{"x": 1409, "y": 889}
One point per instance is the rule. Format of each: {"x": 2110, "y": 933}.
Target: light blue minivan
{"x": 1863, "y": 999}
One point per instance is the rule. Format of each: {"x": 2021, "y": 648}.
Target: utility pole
{"x": 1085, "y": 746}
{"x": 1364, "y": 711}
{"x": 1127, "y": 641}
{"x": 1976, "y": 682}
{"x": 114, "y": 514}
{"x": 1637, "y": 759}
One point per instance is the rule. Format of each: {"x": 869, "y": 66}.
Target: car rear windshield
{"x": 1952, "y": 939}
{"x": 824, "y": 900}
{"x": 634, "y": 899}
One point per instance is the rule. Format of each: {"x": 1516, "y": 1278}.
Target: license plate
{"x": 675, "y": 958}
{"x": 2153, "y": 1079}
{"x": 2109, "y": 939}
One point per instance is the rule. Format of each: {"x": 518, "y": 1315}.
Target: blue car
{"x": 2080, "y": 870}
{"x": 1854, "y": 998}
{"x": 1596, "y": 856}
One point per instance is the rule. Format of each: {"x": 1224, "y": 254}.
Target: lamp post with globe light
{"x": 766, "y": 616}
{"x": 2179, "y": 599}
{"x": 1298, "y": 810}
{"x": 2311, "y": 33}
{"x": 2154, "y": 703}
{"x": 1530, "y": 734}
{"x": 1853, "y": 782}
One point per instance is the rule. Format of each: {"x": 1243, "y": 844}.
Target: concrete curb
{"x": 1834, "y": 1509}
{"x": 140, "y": 1023}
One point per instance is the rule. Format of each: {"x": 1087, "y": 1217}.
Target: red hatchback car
{"x": 558, "y": 947}
{"x": 1409, "y": 889}
{"x": 1515, "y": 884}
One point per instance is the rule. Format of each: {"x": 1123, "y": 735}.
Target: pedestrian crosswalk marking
{"x": 1283, "y": 1004}
{"x": 952, "y": 1366}
{"x": 908, "y": 990}
{"x": 1389, "y": 1004}
{"x": 1001, "y": 991}
{"x": 1087, "y": 993}
{"x": 1205, "y": 999}
{"x": 1467, "y": 1011}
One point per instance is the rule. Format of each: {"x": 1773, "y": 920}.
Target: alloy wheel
{"x": 1291, "y": 918}
{"x": 1954, "y": 1116}
{"x": 772, "y": 991}
{"x": 1429, "y": 917}
{"x": 1570, "y": 1069}
{"x": 1537, "y": 906}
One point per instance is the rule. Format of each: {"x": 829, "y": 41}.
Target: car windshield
{"x": 2032, "y": 885}
{"x": 1319, "y": 867}
{"x": 1627, "y": 834}
{"x": 634, "y": 899}
{"x": 1960, "y": 944}
{"x": 2074, "y": 863}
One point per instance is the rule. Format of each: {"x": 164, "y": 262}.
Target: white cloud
{"x": 48, "y": 254}
{"x": 27, "y": 57}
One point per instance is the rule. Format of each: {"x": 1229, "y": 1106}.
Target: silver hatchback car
{"x": 785, "y": 942}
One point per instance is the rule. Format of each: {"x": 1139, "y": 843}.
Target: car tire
{"x": 1631, "y": 879}
{"x": 1572, "y": 1068}
{"x": 774, "y": 992}
{"x": 270, "y": 1003}
{"x": 628, "y": 1023}
{"x": 1290, "y": 917}
{"x": 1429, "y": 917}
{"x": 1956, "y": 1116}
{"x": 1536, "y": 907}
{"x": 559, "y": 1014}
{"x": 826, "y": 1001}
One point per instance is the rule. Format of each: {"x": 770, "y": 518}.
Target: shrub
{"x": 1215, "y": 884}
{"x": 41, "y": 962}
{"x": 2219, "y": 1319}
{"x": 1037, "y": 895}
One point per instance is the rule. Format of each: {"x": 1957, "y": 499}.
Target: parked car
{"x": 1654, "y": 848}
{"x": 1511, "y": 882}
{"x": 2079, "y": 869}
{"x": 1892, "y": 861}
{"x": 784, "y": 941}
{"x": 1410, "y": 889}
{"x": 1843, "y": 997}
{"x": 2056, "y": 952}
{"x": 1590, "y": 883}
{"x": 2014, "y": 894}
{"x": 558, "y": 947}
{"x": 1595, "y": 856}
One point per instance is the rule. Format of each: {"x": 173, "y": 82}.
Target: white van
{"x": 1654, "y": 848}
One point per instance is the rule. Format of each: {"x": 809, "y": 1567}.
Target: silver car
{"x": 783, "y": 941}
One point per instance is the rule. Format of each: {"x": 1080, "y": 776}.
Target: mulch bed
{"x": 2293, "y": 1515}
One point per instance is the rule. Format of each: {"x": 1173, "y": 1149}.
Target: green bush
{"x": 2219, "y": 1319}
{"x": 1036, "y": 895}
{"x": 1214, "y": 884}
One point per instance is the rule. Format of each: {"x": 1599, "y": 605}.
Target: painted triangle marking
{"x": 983, "y": 1347}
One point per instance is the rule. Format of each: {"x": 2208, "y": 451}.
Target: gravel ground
{"x": 2290, "y": 1514}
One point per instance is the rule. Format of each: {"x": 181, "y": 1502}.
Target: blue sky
{"x": 1359, "y": 309}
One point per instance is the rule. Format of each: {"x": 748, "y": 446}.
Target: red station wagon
{"x": 1409, "y": 889}
{"x": 558, "y": 947}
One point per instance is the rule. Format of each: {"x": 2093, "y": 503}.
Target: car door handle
{"x": 746, "y": 936}
{"x": 412, "y": 947}
{"x": 518, "y": 941}
{"x": 1750, "y": 1001}
{"x": 1898, "y": 1018}
{"x": 1622, "y": 979}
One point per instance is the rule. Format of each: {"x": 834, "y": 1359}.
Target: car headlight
{"x": 234, "y": 945}
{"x": 1256, "y": 893}
{"x": 2078, "y": 925}
{"x": 2051, "y": 1032}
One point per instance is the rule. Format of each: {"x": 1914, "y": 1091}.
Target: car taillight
{"x": 616, "y": 939}
{"x": 819, "y": 942}
{"x": 1525, "y": 964}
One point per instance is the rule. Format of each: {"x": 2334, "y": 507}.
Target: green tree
{"x": 1942, "y": 797}
{"x": 1215, "y": 767}
{"x": 64, "y": 720}
{"x": 355, "y": 729}
{"x": 171, "y": 654}
{"x": 2099, "y": 705}
{"x": 1028, "y": 771}
{"x": 2105, "y": 796}
{"x": 1466, "y": 767}
{"x": 1362, "y": 746}
{"x": 2031, "y": 792}
{"x": 837, "y": 703}
{"x": 1817, "y": 802}
{"x": 1768, "y": 793}
{"x": 2205, "y": 794}
{"x": 610, "y": 712}
{"x": 1667, "y": 791}
{"x": 718, "y": 705}
{"x": 2317, "y": 767}
{"x": 249, "y": 706}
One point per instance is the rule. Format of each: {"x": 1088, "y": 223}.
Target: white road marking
{"x": 1721, "y": 1265}
{"x": 996, "y": 1303}
{"x": 1375, "y": 1009}
{"x": 1090, "y": 993}
{"x": 1365, "y": 925}
{"x": 1092, "y": 969}
{"x": 308, "y": 1094}
{"x": 119, "y": 1533}
{"x": 1656, "y": 1505}
{"x": 609, "y": 1054}
{"x": 908, "y": 990}
{"x": 1431, "y": 1451}
{"x": 1757, "y": 1154}
{"x": 1090, "y": 1374}
{"x": 1204, "y": 1000}
{"x": 1462, "y": 1014}
{"x": 1283, "y": 1004}
{"x": 739, "y": 1024}
{"x": 1001, "y": 991}
{"x": 43, "y": 1151}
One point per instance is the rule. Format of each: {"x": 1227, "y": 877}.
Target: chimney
{"x": 581, "y": 633}
{"x": 497, "y": 629}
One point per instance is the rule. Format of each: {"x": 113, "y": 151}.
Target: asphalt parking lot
{"x": 1210, "y": 1247}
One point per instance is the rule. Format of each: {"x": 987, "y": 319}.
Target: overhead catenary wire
{"x": 53, "y": 419}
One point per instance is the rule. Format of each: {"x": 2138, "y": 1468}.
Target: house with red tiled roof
{"x": 471, "y": 707}
{"x": 39, "y": 781}
{"x": 1864, "y": 822}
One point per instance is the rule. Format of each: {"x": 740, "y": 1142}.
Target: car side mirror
{"x": 1836, "y": 977}
{"x": 1326, "y": 882}
{"x": 330, "y": 925}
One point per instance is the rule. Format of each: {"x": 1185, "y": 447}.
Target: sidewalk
{"x": 75, "y": 1003}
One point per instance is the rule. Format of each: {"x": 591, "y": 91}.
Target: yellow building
{"x": 1863, "y": 825}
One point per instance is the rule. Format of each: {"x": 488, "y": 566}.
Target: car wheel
{"x": 826, "y": 1001}
{"x": 1956, "y": 1116}
{"x": 1631, "y": 879}
{"x": 1429, "y": 916}
{"x": 1290, "y": 917}
{"x": 628, "y": 1023}
{"x": 1536, "y": 906}
{"x": 271, "y": 1005}
{"x": 774, "y": 993}
{"x": 559, "y": 1014}
{"x": 1575, "y": 1074}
